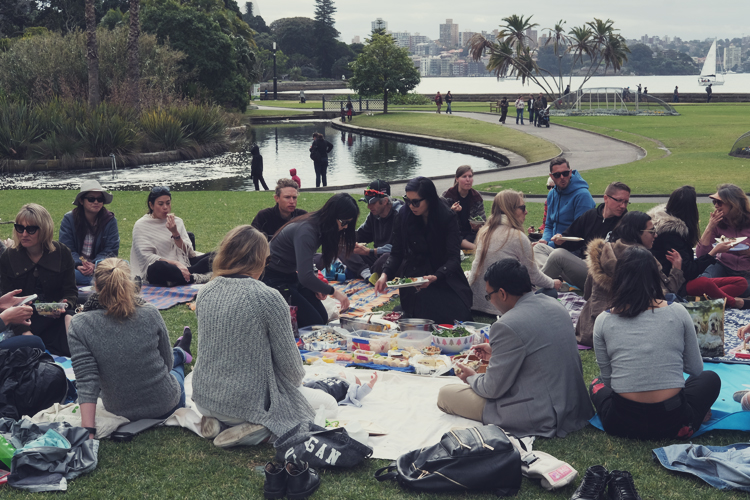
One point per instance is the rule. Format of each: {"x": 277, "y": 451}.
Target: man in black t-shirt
{"x": 270, "y": 220}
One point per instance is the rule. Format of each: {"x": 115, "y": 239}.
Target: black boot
{"x": 594, "y": 484}
{"x": 621, "y": 486}
{"x": 302, "y": 481}
{"x": 276, "y": 478}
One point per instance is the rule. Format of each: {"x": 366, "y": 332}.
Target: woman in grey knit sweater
{"x": 249, "y": 372}
{"x": 120, "y": 351}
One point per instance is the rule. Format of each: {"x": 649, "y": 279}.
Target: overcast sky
{"x": 687, "y": 19}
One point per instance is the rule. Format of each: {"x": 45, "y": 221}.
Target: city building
{"x": 449, "y": 34}
{"x": 464, "y": 37}
{"x": 379, "y": 24}
{"x": 402, "y": 38}
{"x": 531, "y": 35}
{"x": 732, "y": 57}
{"x": 356, "y": 39}
{"x": 415, "y": 40}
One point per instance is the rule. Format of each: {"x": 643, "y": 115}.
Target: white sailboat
{"x": 708, "y": 73}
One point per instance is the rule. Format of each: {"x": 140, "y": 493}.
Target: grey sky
{"x": 687, "y": 19}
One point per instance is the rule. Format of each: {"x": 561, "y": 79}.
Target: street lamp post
{"x": 274, "y": 71}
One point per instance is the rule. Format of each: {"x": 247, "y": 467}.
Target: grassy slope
{"x": 699, "y": 140}
{"x": 464, "y": 129}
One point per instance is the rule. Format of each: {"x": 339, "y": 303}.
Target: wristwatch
{"x": 372, "y": 252}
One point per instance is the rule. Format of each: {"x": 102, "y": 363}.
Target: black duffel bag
{"x": 320, "y": 447}
{"x": 474, "y": 459}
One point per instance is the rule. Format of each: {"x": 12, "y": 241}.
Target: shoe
{"x": 737, "y": 396}
{"x": 745, "y": 403}
{"x": 594, "y": 484}
{"x": 302, "y": 481}
{"x": 210, "y": 427}
{"x": 374, "y": 277}
{"x": 184, "y": 342}
{"x": 276, "y": 479}
{"x": 245, "y": 434}
{"x": 201, "y": 279}
{"x": 621, "y": 487}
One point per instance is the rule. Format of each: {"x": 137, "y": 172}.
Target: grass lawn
{"x": 464, "y": 129}
{"x": 175, "y": 463}
{"x": 699, "y": 141}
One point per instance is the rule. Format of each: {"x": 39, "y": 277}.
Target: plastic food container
{"x": 354, "y": 324}
{"x": 50, "y": 308}
{"x": 424, "y": 325}
{"x": 415, "y": 339}
{"x": 327, "y": 338}
{"x": 360, "y": 356}
{"x": 369, "y": 341}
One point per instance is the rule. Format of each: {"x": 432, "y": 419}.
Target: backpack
{"x": 30, "y": 382}
{"x": 472, "y": 459}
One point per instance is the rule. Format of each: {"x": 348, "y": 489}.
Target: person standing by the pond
{"x": 256, "y": 168}
{"x": 349, "y": 109}
{"x": 448, "y": 101}
{"x": 676, "y": 97}
{"x": 503, "y": 105}
{"x": 520, "y": 104}
{"x": 319, "y": 155}
{"x": 709, "y": 91}
{"x": 438, "y": 101}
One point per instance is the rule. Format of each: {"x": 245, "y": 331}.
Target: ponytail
{"x": 117, "y": 291}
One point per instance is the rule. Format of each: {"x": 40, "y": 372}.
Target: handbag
{"x": 477, "y": 458}
{"x": 708, "y": 319}
{"x": 320, "y": 447}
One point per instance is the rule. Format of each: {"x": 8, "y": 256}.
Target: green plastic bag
{"x": 6, "y": 452}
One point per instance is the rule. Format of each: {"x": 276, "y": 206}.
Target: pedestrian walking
{"x": 256, "y": 168}
{"x": 503, "y": 105}
{"x": 520, "y": 105}
{"x": 349, "y": 109}
{"x": 709, "y": 91}
{"x": 531, "y": 109}
{"x": 448, "y": 101}
{"x": 676, "y": 96}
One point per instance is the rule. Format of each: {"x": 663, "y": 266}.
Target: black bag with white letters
{"x": 320, "y": 447}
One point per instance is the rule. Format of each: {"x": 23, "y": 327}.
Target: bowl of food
{"x": 50, "y": 308}
{"x": 455, "y": 339}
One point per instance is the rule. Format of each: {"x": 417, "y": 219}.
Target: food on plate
{"x": 49, "y": 308}
{"x": 432, "y": 362}
{"x": 455, "y": 332}
{"x": 392, "y": 316}
{"x": 325, "y": 334}
{"x": 431, "y": 350}
{"x": 400, "y": 281}
{"x": 732, "y": 241}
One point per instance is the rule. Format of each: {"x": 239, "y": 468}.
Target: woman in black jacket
{"x": 256, "y": 168}
{"x": 319, "y": 154}
{"x": 426, "y": 243}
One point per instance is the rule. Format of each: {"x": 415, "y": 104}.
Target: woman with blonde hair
{"x": 38, "y": 265}
{"x": 503, "y": 237}
{"x": 247, "y": 384}
{"x": 121, "y": 352}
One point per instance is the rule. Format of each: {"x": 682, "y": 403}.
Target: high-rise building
{"x": 531, "y": 35}
{"x": 449, "y": 34}
{"x": 464, "y": 37}
{"x": 356, "y": 40}
{"x": 402, "y": 38}
{"x": 732, "y": 57}
{"x": 378, "y": 24}
{"x": 417, "y": 39}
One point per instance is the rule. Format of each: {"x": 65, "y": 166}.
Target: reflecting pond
{"x": 354, "y": 159}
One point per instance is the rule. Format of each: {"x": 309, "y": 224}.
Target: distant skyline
{"x": 689, "y": 19}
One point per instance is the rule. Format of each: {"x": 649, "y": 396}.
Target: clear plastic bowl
{"x": 415, "y": 339}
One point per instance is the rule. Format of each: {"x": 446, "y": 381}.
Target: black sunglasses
{"x": 415, "y": 202}
{"x": 522, "y": 207}
{"x": 344, "y": 223}
{"x": 29, "y": 229}
{"x": 160, "y": 189}
{"x": 92, "y": 199}
{"x": 564, "y": 173}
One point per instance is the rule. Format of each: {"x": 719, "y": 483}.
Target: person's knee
{"x": 712, "y": 382}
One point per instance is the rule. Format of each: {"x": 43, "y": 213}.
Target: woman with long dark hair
{"x": 290, "y": 266}
{"x": 643, "y": 345}
{"x": 676, "y": 223}
{"x": 731, "y": 219}
{"x": 468, "y": 205}
{"x": 634, "y": 229}
{"x": 90, "y": 230}
{"x": 426, "y": 243}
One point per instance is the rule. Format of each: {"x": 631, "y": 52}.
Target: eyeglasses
{"x": 414, "y": 203}
{"x": 522, "y": 207}
{"x": 564, "y": 173}
{"x": 717, "y": 203}
{"x": 618, "y": 201}
{"x": 92, "y": 199}
{"x": 344, "y": 223}
{"x": 160, "y": 189}
{"x": 652, "y": 231}
{"x": 488, "y": 296}
{"x": 29, "y": 229}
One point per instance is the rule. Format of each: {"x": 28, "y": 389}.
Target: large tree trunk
{"x": 92, "y": 54}
{"x": 385, "y": 100}
{"x": 134, "y": 73}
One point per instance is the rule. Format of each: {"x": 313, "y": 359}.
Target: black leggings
{"x": 258, "y": 179}
{"x": 310, "y": 310}
{"x": 677, "y": 417}
{"x": 321, "y": 170}
{"x": 161, "y": 272}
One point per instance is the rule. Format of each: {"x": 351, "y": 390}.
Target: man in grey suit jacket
{"x": 534, "y": 381}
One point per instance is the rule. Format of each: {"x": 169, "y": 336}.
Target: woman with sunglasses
{"x": 501, "y": 238}
{"x": 641, "y": 392}
{"x": 426, "y": 243}
{"x": 731, "y": 219}
{"x": 290, "y": 265}
{"x": 90, "y": 230}
{"x": 634, "y": 229}
{"x": 468, "y": 205}
{"x": 38, "y": 265}
{"x": 161, "y": 253}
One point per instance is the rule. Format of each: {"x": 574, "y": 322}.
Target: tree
{"x": 383, "y": 67}
{"x": 325, "y": 35}
{"x": 92, "y": 55}
{"x": 295, "y": 35}
{"x": 134, "y": 70}
{"x": 559, "y": 40}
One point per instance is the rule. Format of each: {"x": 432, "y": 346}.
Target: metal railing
{"x": 360, "y": 105}
{"x": 609, "y": 101}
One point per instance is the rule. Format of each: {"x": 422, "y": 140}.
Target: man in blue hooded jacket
{"x": 569, "y": 199}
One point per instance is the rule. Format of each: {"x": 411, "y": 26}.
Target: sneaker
{"x": 210, "y": 427}
{"x": 245, "y": 434}
{"x": 276, "y": 478}
{"x": 302, "y": 481}
{"x": 374, "y": 277}
{"x": 621, "y": 486}
{"x": 745, "y": 403}
{"x": 594, "y": 484}
{"x": 184, "y": 342}
{"x": 200, "y": 279}
{"x": 737, "y": 396}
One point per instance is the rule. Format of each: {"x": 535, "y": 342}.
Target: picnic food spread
{"x": 50, "y": 308}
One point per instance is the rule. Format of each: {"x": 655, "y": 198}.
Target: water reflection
{"x": 354, "y": 159}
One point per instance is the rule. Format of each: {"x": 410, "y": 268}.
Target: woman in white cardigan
{"x": 503, "y": 237}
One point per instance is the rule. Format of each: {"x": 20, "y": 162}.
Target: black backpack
{"x": 30, "y": 382}
{"x": 478, "y": 458}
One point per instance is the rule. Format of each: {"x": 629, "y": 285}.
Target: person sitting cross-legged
{"x": 269, "y": 220}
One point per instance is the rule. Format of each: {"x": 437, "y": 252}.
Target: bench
{"x": 494, "y": 107}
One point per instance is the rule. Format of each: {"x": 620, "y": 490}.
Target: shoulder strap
{"x": 387, "y": 473}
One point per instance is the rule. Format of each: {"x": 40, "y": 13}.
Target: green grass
{"x": 699, "y": 141}
{"x": 170, "y": 463}
{"x": 463, "y": 129}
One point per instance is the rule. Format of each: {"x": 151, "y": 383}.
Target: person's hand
{"x": 463, "y": 372}
{"x": 558, "y": 284}
{"x": 430, "y": 279}
{"x": 11, "y": 298}
{"x": 57, "y": 314}
{"x": 373, "y": 379}
{"x": 675, "y": 258}
{"x": 540, "y": 242}
{"x": 715, "y": 218}
{"x": 743, "y": 331}
{"x": 172, "y": 225}
{"x": 9, "y": 242}
{"x": 320, "y": 296}
{"x": 482, "y": 351}
{"x": 86, "y": 268}
{"x": 456, "y": 207}
{"x": 476, "y": 225}
{"x": 361, "y": 249}
{"x": 17, "y": 315}
{"x": 184, "y": 270}
{"x": 343, "y": 300}
{"x": 381, "y": 285}
{"x": 556, "y": 239}
{"x": 721, "y": 248}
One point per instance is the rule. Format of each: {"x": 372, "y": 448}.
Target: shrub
{"x": 163, "y": 130}
{"x": 20, "y": 127}
{"x": 109, "y": 130}
{"x": 202, "y": 124}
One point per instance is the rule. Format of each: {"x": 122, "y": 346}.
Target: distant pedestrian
{"x": 520, "y": 105}
{"x": 319, "y": 155}
{"x": 349, "y": 109}
{"x": 302, "y": 98}
{"x": 448, "y": 101}
{"x": 295, "y": 177}
{"x": 709, "y": 91}
{"x": 639, "y": 90}
{"x": 438, "y": 101}
{"x": 256, "y": 168}
{"x": 645, "y": 91}
{"x": 503, "y": 105}
{"x": 343, "y": 114}
{"x": 567, "y": 90}
{"x": 676, "y": 97}
{"x": 531, "y": 109}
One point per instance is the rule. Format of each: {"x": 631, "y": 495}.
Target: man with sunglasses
{"x": 568, "y": 200}
{"x": 377, "y": 228}
{"x": 270, "y": 220}
{"x": 567, "y": 261}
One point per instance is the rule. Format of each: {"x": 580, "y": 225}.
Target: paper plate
{"x": 570, "y": 238}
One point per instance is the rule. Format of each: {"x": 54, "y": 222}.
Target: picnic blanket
{"x": 734, "y": 319}
{"x": 165, "y": 297}
{"x": 362, "y": 296}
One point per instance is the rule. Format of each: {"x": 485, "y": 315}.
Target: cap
{"x": 715, "y": 196}
{"x": 375, "y": 190}
{"x": 92, "y": 186}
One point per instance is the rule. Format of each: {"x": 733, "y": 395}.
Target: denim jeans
{"x": 178, "y": 372}
{"x": 519, "y": 115}
{"x": 82, "y": 279}
{"x": 723, "y": 467}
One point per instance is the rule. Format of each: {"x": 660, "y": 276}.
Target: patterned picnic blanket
{"x": 573, "y": 303}
{"x": 166, "y": 297}
{"x": 362, "y": 297}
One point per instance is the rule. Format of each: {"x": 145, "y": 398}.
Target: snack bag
{"x": 6, "y": 452}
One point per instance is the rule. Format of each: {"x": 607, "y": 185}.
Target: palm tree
{"x": 134, "y": 72}
{"x": 615, "y": 52}
{"x": 580, "y": 45}
{"x": 92, "y": 54}
{"x": 558, "y": 38}
{"x": 514, "y": 31}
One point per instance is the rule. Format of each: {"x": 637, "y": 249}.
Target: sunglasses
{"x": 93, "y": 199}
{"x": 717, "y": 203}
{"x": 29, "y": 229}
{"x": 564, "y": 173}
{"x": 160, "y": 189}
{"x": 344, "y": 223}
{"x": 652, "y": 231}
{"x": 375, "y": 192}
{"x": 414, "y": 203}
{"x": 522, "y": 207}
